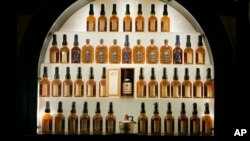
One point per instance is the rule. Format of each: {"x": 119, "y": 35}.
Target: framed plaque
{"x": 113, "y": 82}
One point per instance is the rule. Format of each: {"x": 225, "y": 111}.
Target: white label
{"x": 200, "y": 58}
{"x": 55, "y": 90}
{"x": 198, "y": 91}
{"x": 127, "y": 26}
{"x": 127, "y": 88}
{"x": 187, "y": 91}
{"x": 91, "y": 26}
{"x": 101, "y": 56}
{"x": 139, "y": 56}
{"x": 87, "y": 55}
{"x": 90, "y": 91}
{"x": 209, "y": 91}
{"x": 164, "y": 91}
{"x": 102, "y": 25}
{"x": 157, "y": 125}
{"x": 45, "y": 90}
{"x": 152, "y": 92}
{"x": 166, "y": 56}
{"x": 66, "y": 90}
{"x": 53, "y": 57}
{"x": 152, "y": 56}
{"x": 183, "y": 126}
{"x": 169, "y": 126}
{"x": 152, "y": 25}
{"x": 64, "y": 57}
{"x": 139, "y": 25}
{"x": 114, "y": 25}
{"x": 103, "y": 90}
{"x": 78, "y": 90}
{"x": 115, "y": 56}
{"x": 189, "y": 58}
{"x": 176, "y": 91}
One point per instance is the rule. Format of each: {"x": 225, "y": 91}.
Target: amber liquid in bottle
{"x": 102, "y": 20}
{"x": 115, "y": 53}
{"x": 102, "y": 84}
{"x": 54, "y": 51}
{"x": 91, "y": 85}
{"x": 97, "y": 120}
{"x": 114, "y": 20}
{"x": 110, "y": 120}
{"x": 152, "y": 20}
{"x": 64, "y": 51}
{"x": 156, "y": 121}
{"x": 139, "y": 20}
{"x": 67, "y": 84}
{"x": 198, "y": 85}
{"x": 47, "y": 120}
{"x": 85, "y": 120}
{"x": 141, "y": 86}
{"x": 91, "y": 19}
{"x": 79, "y": 84}
{"x": 152, "y": 53}
{"x": 87, "y": 53}
{"x": 209, "y": 85}
{"x": 200, "y": 52}
{"x": 73, "y": 120}
{"x": 177, "y": 52}
{"x": 143, "y": 121}
{"x": 166, "y": 53}
{"x": 164, "y": 85}
{"x": 56, "y": 84}
{"x": 45, "y": 84}
{"x": 153, "y": 86}
{"x": 186, "y": 86}
{"x": 127, "y": 21}
{"x": 195, "y": 122}
{"x": 138, "y": 53}
{"x": 59, "y": 120}
{"x": 101, "y": 55}
{"x": 165, "y": 20}
{"x": 207, "y": 122}
{"x": 175, "y": 85}
{"x": 76, "y": 51}
{"x": 126, "y": 52}
{"x": 188, "y": 52}
{"x": 169, "y": 122}
{"x": 183, "y": 122}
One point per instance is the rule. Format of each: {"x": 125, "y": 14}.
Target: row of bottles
{"x": 175, "y": 89}
{"x": 139, "y": 23}
{"x": 152, "y": 54}
{"x": 186, "y": 126}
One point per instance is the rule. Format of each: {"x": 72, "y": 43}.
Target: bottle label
{"x": 152, "y": 25}
{"x": 189, "y": 58}
{"x": 45, "y": 126}
{"x": 164, "y": 91}
{"x": 157, "y": 126}
{"x": 84, "y": 126}
{"x": 127, "y": 25}
{"x": 126, "y": 56}
{"x": 127, "y": 88}
{"x": 56, "y": 90}
{"x": 45, "y": 89}
{"x": 169, "y": 125}
{"x": 53, "y": 57}
{"x": 183, "y": 127}
{"x": 187, "y": 91}
{"x": 101, "y": 56}
{"x": 209, "y": 91}
{"x": 67, "y": 90}
{"x": 103, "y": 90}
{"x": 114, "y": 25}
{"x": 176, "y": 91}
{"x": 72, "y": 126}
{"x": 178, "y": 57}
{"x": 87, "y": 56}
{"x": 115, "y": 56}
{"x": 200, "y": 58}
{"x": 64, "y": 57}
{"x": 79, "y": 90}
{"x": 90, "y": 91}
{"x": 140, "y": 91}
{"x": 110, "y": 126}
{"x": 91, "y": 25}
{"x": 166, "y": 56}
{"x": 165, "y": 25}
{"x": 152, "y": 92}
{"x": 97, "y": 125}
{"x": 152, "y": 56}
{"x": 142, "y": 126}
{"x": 102, "y": 25}
{"x": 195, "y": 127}
{"x": 198, "y": 91}
{"x": 139, "y": 56}
{"x": 76, "y": 56}
{"x": 139, "y": 25}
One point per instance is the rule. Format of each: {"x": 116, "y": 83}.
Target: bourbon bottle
{"x": 195, "y": 122}
{"x": 156, "y": 121}
{"x": 91, "y": 85}
{"x": 54, "y": 51}
{"x": 165, "y": 85}
{"x": 114, "y": 20}
{"x": 73, "y": 120}
{"x": 127, "y": 21}
{"x": 152, "y": 20}
{"x": 143, "y": 121}
{"x": 207, "y": 122}
{"x": 102, "y": 84}
{"x": 47, "y": 120}
{"x": 97, "y": 120}
{"x": 79, "y": 84}
{"x": 115, "y": 53}
{"x": 186, "y": 86}
{"x": 169, "y": 122}
{"x": 126, "y": 52}
{"x": 139, "y": 20}
{"x": 76, "y": 51}
{"x": 64, "y": 51}
{"x": 101, "y": 55}
{"x": 67, "y": 84}
{"x": 87, "y": 53}
{"x": 45, "y": 84}
{"x": 166, "y": 54}
{"x": 165, "y": 20}
{"x": 56, "y": 84}
{"x": 91, "y": 19}
{"x": 200, "y": 52}
{"x": 102, "y": 20}
{"x": 152, "y": 53}
{"x": 141, "y": 85}
{"x": 188, "y": 52}
{"x": 85, "y": 120}
{"x": 183, "y": 121}
{"x": 110, "y": 120}
{"x": 59, "y": 120}
{"x": 138, "y": 53}
{"x": 177, "y": 52}
{"x": 175, "y": 85}
{"x": 198, "y": 85}
{"x": 153, "y": 85}
{"x": 209, "y": 85}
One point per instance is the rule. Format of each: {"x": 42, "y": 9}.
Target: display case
{"x": 73, "y": 21}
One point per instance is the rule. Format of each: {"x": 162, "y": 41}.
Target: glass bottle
{"x": 156, "y": 121}
{"x": 200, "y": 52}
{"x": 64, "y": 51}
{"x": 47, "y": 120}
{"x": 165, "y": 85}
{"x": 169, "y": 122}
{"x": 54, "y": 51}
{"x": 127, "y": 21}
{"x": 45, "y": 84}
{"x": 91, "y": 85}
{"x": 102, "y": 20}
{"x": 73, "y": 120}
{"x": 186, "y": 86}
{"x": 141, "y": 85}
{"x": 97, "y": 120}
{"x": 102, "y": 84}
{"x": 198, "y": 85}
{"x": 56, "y": 84}
{"x": 152, "y": 53}
{"x": 177, "y": 52}
{"x": 165, "y": 20}
{"x": 195, "y": 122}
{"x": 138, "y": 53}
{"x": 143, "y": 121}
{"x": 152, "y": 20}
{"x": 175, "y": 85}
{"x": 209, "y": 85}
{"x": 183, "y": 121}
{"x": 87, "y": 53}
{"x": 114, "y": 20}
{"x": 139, "y": 20}
{"x": 207, "y": 122}
{"x": 166, "y": 53}
{"x": 67, "y": 84}
{"x": 59, "y": 120}
{"x": 115, "y": 53}
{"x": 101, "y": 53}
{"x": 79, "y": 84}
{"x": 153, "y": 85}
{"x": 76, "y": 51}
{"x": 110, "y": 120}
{"x": 188, "y": 52}
{"x": 126, "y": 52}
{"x": 85, "y": 120}
{"x": 91, "y": 19}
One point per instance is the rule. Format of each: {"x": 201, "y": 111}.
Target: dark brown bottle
{"x": 110, "y": 120}
{"x": 169, "y": 122}
{"x": 177, "y": 52}
{"x": 141, "y": 86}
{"x": 183, "y": 122}
{"x": 47, "y": 120}
{"x": 64, "y": 51}
{"x": 97, "y": 120}
{"x": 143, "y": 121}
{"x": 85, "y": 120}
{"x": 195, "y": 122}
{"x": 73, "y": 120}
{"x": 156, "y": 121}
{"x": 59, "y": 120}
{"x": 76, "y": 51}
{"x": 207, "y": 122}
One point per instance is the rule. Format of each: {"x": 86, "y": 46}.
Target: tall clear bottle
{"x": 45, "y": 84}
{"x": 114, "y": 21}
{"x": 183, "y": 122}
{"x": 165, "y": 85}
{"x": 188, "y": 52}
{"x": 200, "y": 52}
{"x": 56, "y": 84}
{"x": 153, "y": 85}
{"x": 198, "y": 85}
{"x": 91, "y": 85}
{"x": 73, "y": 120}
{"x": 64, "y": 51}
{"x": 139, "y": 20}
{"x": 54, "y": 51}
{"x": 175, "y": 85}
{"x": 110, "y": 120}
{"x": 97, "y": 121}
{"x": 59, "y": 120}
{"x": 91, "y": 19}
{"x": 127, "y": 21}
{"x": 152, "y": 20}
{"x": 207, "y": 122}
{"x": 195, "y": 122}
{"x": 186, "y": 85}
{"x": 47, "y": 120}
{"x": 85, "y": 120}
{"x": 169, "y": 122}
{"x": 143, "y": 121}
{"x": 67, "y": 84}
{"x": 102, "y": 84}
{"x": 141, "y": 86}
{"x": 102, "y": 20}
{"x": 209, "y": 85}
{"x": 156, "y": 121}
{"x": 79, "y": 84}
{"x": 165, "y": 20}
